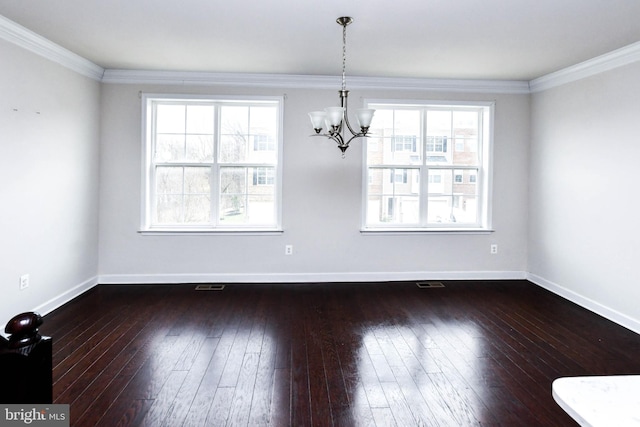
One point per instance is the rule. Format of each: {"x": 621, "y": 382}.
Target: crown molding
{"x": 194, "y": 78}
{"x": 445, "y": 85}
{"x": 617, "y": 58}
{"x": 19, "y": 35}
{"x": 311, "y": 82}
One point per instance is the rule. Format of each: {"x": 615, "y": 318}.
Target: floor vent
{"x": 427, "y": 285}
{"x": 209, "y": 287}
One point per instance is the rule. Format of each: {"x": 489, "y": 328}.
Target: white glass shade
{"x": 334, "y": 115}
{"x": 364, "y": 116}
{"x": 317, "y": 119}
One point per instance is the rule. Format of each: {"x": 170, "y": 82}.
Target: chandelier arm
{"x": 344, "y": 104}
{"x": 336, "y": 137}
{"x": 357, "y": 135}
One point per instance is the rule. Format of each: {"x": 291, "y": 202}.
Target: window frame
{"x": 484, "y": 175}
{"x": 214, "y": 226}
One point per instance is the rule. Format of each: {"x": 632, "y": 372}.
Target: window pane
{"x": 199, "y": 148}
{"x": 197, "y": 208}
{"x": 453, "y": 196}
{"x": 465, "y": 130}
{"x": 242, "y": 198}
{"x": 234, "y": 120}
{"x": 169, "y": 147}
{"x": 232, "y": 193}
{"x": 406, "y": 122}
{"x": 249, "y": 134}
{"x": 439, "y": 123}
{"x": 394, "y": 181}
{"x": 247, "y": 196}
{"x": 463, "y": 120}
{"x": 263, "y": 148}
{"x": 196, "y": 180}
{"x": 440, "y": 209}
{"x": 376, "y": 180}
{"x": 440, "y": 196}
{"x": 393, "y": 196}
{"x": 264, "y": 120}
{"x": 437, "y": 180}
{"x": 232, "y": 209}
{"x": 263, "y": 136}
{"x": 169, "y": 179}
{"x": 233, "y": 180}
{"x": 395, "y": 137}
{"x": 170, "y": 118}
{"x": 374, "y": 210}
{"x": 439, "y": 141}
{"x": 261, "y": 209}
{"x": 183, "y": 195}
{"x": 252, "y": 210}
{"x": 393, "y": 210}
{"x": 200, "y": 119}
{"x": 233, "y": 148}
{"x": 169, "y": 209}
{"x": 465, "y": 209}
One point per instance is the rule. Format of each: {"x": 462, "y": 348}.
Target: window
{"x": 263, "y": 176}
{"x": 399, "y": 176}
{"x": 404, "y": 143}
{"x": 212, "y": 164}
{"x": 430, "y": 167}
{"x": 437, "y": 144}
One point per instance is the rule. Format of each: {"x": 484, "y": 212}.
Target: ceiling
{"x": 468, "y": 39}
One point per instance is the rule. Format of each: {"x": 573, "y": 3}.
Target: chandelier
{"x": 335, "y": 118}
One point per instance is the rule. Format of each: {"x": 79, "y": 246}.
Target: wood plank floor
{"x": 359, "y": 354}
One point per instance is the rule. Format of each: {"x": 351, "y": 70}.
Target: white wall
{"x": 49, "y": 130}
{"x": 321, "y": 206}
{"x": 585, "y": 199}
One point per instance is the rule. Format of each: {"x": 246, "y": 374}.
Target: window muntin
{"x": 447, "y": 173}
{"x": 212, "y": 164}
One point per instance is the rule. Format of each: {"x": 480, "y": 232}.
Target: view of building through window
{"x": 424, "y": 165}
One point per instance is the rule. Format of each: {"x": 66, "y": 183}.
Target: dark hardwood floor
{"x": 348, "y": 354}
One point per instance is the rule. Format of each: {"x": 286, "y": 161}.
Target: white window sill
{"x": 211, "y": 232}
{"x": 393, "y": 231}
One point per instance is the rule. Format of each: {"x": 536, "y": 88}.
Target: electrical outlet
{"x": 288, "y": 249}
{"x": 494, "y": 249}
{"x": 24, "y": 282}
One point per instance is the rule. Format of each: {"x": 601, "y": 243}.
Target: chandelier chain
{"x": 344, "y": 56}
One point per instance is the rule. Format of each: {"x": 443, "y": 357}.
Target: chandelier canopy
{"x": 334, "y": 119}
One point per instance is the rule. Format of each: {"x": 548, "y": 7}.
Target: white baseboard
{"x": 308, "y": 277}
{"x": 591, "y": 305}
{"x": 67, "y": 296}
